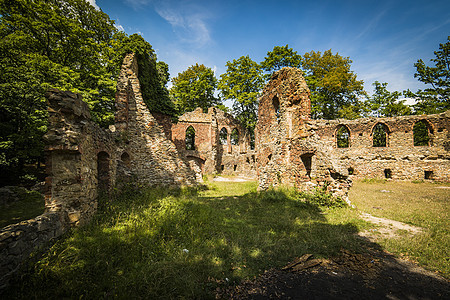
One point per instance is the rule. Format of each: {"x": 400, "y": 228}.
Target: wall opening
{"x": 351, "y": 171}
{"x": 307, "y": 163}
{"x": 234, "y": 137}
{"x": 421, "y": 133}
{"x": 276, "y": 107}
{"x": 269, "y": 157}
{"x": 190, "y": 138}
{"x": 428, "y": 174}
{"x": 125, "y": 158}
{"x": 387, "y": 173}
{"x": 222, "y": 167}
{"x": 103, "y": 171}
{"x": 343, "y": 137}
{"x": 380, "y": 135}
{"x": 440, "y": 129}
{"x": 235, "y": 168}
{"x": 223, "y": 136}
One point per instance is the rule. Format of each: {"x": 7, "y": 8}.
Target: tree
{"x": 386, "y": 104}
{"x": 48, "y": 44}
{"x": 153, "y": 75}
{"x": 279, "y": 57}
{"x": 436, "y": 98}
{"x": 334, "y": 87}
{"x": 194, "y": 88}
{"x": 242, "y": 83}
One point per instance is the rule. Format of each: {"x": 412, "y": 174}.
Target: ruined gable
{"x": 214, "y": 142}
{"x": 288, "y": 151}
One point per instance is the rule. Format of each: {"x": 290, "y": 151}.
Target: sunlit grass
{"x": 162, "y": 243}
{"x": 422, "y": 204}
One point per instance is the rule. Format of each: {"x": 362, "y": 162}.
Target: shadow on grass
{"x": 163, "y": 243}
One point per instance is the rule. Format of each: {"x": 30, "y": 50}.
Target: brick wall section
{"x": 210, "y": 156}
{"x": 289, "y": 152}
{"x": 404, "y": 160}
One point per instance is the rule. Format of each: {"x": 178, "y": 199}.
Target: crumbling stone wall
{"x": 210, "y": 155}
{"x": 400, "y": 159}
{"x": 289, "y": 152}
{"x": 84, "y": 160}
{"x": 154, "y": 158}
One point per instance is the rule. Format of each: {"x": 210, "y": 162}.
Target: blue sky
{"x": 383, "y": 38}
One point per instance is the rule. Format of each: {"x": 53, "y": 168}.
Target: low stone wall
{"x": 399, "y": 159}
{"x": 19, "y": 240}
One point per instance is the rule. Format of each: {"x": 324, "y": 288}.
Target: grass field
{"x": 423, "y": 204}
{"x": 184, "y": 243}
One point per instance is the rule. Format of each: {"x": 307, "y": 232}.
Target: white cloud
{"x": 136, "y": 4}
{"x": 92, "y": 2}
{"x": 119, "y": 27}
{"x": 188, "y": 21}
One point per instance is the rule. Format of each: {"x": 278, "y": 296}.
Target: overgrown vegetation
{"x": 29, "y": 205}
{"x": 183, "y": 243}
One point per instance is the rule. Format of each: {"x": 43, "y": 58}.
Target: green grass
{"x": 163, "y": 243}
{"x": 29, "y": 205}
{"x": 424, "y": 205}
{"x": 184, "y": 243}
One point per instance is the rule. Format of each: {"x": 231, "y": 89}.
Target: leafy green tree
{"x": 194, "y": 88}
{"x": 242, "y": 83}
{"x": 386, "y": 104}
{"x": 334, "y": 87}
{"x": 280, "y": 57}
{"x": 343, "y": 137}
{"x": 436, "y": 98}
{"x": 153, "y": 75}
{"x": 48, "y": 44}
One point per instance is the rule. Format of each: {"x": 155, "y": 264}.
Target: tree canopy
{"x": 69, "y": 45}
{"x": 334, "y": 87}
{"x": 242, "y": 83}
{"x": 435, "y": 98}
{"x": 280, "y": 57}
{"x": 386, "y": 104}
{"x": 194, "y": 88}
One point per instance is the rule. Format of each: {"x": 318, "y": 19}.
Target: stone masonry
{"x": 399, "y": 159}
{"x": 212, "y": 152}
{"x": 84, "y": 160}
{"x": 297, "y": 151}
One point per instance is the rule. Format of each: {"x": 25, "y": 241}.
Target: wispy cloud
{"x": 136, "y": 4}
{"x": 373, "y": 23}
{"x": 189, "y": 21}
{"x": 92, "y": 2}
{"x": 119, "y": 27}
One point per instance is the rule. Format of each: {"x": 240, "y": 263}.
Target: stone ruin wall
{"x": 210, "y": 156}
{"x": 400, "y": 159}
{"x": 84, "y": 160}
{"x": 294, "y": 150}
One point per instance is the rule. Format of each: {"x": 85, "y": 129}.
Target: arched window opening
{"x": 125, "y": 158}
{"x": 307, "y": 163}
{"x": 223, "y": 136}
{"x": 234, "y": 137}
{"x": 351, "y": 171}
{"x": 343, "y": 137}
{"x": 190, "y": 138}
{"x": 276, "y": 106}
{"x": 387, "y": 173}
{"x": 103, "y": 171}
{"x": 380, "y": 135}
{"x": 421, "y": 133}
